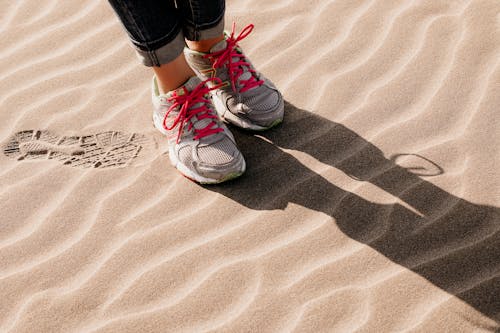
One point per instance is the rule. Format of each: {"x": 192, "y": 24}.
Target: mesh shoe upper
{"x": 200, "y": 145}
{"x": 246, "y": 93}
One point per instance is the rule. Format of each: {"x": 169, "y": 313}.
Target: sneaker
{"x": 247, "y": 99}
{"x": 201, "y": 147}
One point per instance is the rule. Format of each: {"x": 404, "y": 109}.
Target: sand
{"x": 375, "y": 207}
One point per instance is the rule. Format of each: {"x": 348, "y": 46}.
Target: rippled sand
{"x": 373, "y": 208}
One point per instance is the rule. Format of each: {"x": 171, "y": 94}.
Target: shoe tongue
{"x": 245, "y": 76}
{"x": 189, "y": 85}
{"x": 219, "y": 46}
{"x": 222, "y": 46}
{"x": 201, "y": 124}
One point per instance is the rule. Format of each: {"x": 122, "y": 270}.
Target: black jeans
{"x": 157, "y": 28}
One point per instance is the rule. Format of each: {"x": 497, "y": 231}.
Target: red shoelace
{"x": 235, "y": 68}
{"x": 186, "y": 101}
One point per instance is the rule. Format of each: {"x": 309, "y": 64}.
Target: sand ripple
{"x": 374, "y": 208}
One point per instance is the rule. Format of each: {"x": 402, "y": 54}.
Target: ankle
{"x": 165, "y": 88}
{"x": 204, "y": 45}
{"x": 172, "y": 75}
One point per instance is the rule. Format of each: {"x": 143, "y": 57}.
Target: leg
{"x": 204, "y": 45}
{"x": 247, "y": 99}
{"x": 155, "y": 30}
{"x": 173, "y": 74}
{"x": 201, "y": 147}
{"x": 203, "y": 23}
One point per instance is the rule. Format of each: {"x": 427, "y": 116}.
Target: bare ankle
{"x": 172, "y": 75}
{"x": 204, "y": 45}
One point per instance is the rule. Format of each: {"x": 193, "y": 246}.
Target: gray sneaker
{"x": 201, "y": 147}
{"x": 247, "y": 99}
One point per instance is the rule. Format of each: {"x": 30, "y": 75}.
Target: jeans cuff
{"x": 164, "y": 54}
{"x": 201, "y": 33}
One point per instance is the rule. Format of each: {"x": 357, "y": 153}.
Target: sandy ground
{"x": 373, "y": 208}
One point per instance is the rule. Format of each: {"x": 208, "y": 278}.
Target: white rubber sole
{"x": 158, "y": 123}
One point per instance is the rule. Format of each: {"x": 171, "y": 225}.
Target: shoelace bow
{"x": 186, "y": 102}
{"x": 225, "y": 57}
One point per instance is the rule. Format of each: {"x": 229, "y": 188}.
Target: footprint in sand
{"x": 102, "y": 150}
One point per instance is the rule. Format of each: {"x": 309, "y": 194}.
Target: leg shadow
{"x": 452, "y": 243}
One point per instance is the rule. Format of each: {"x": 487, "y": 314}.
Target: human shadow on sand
{"x": 453, "y": 243}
